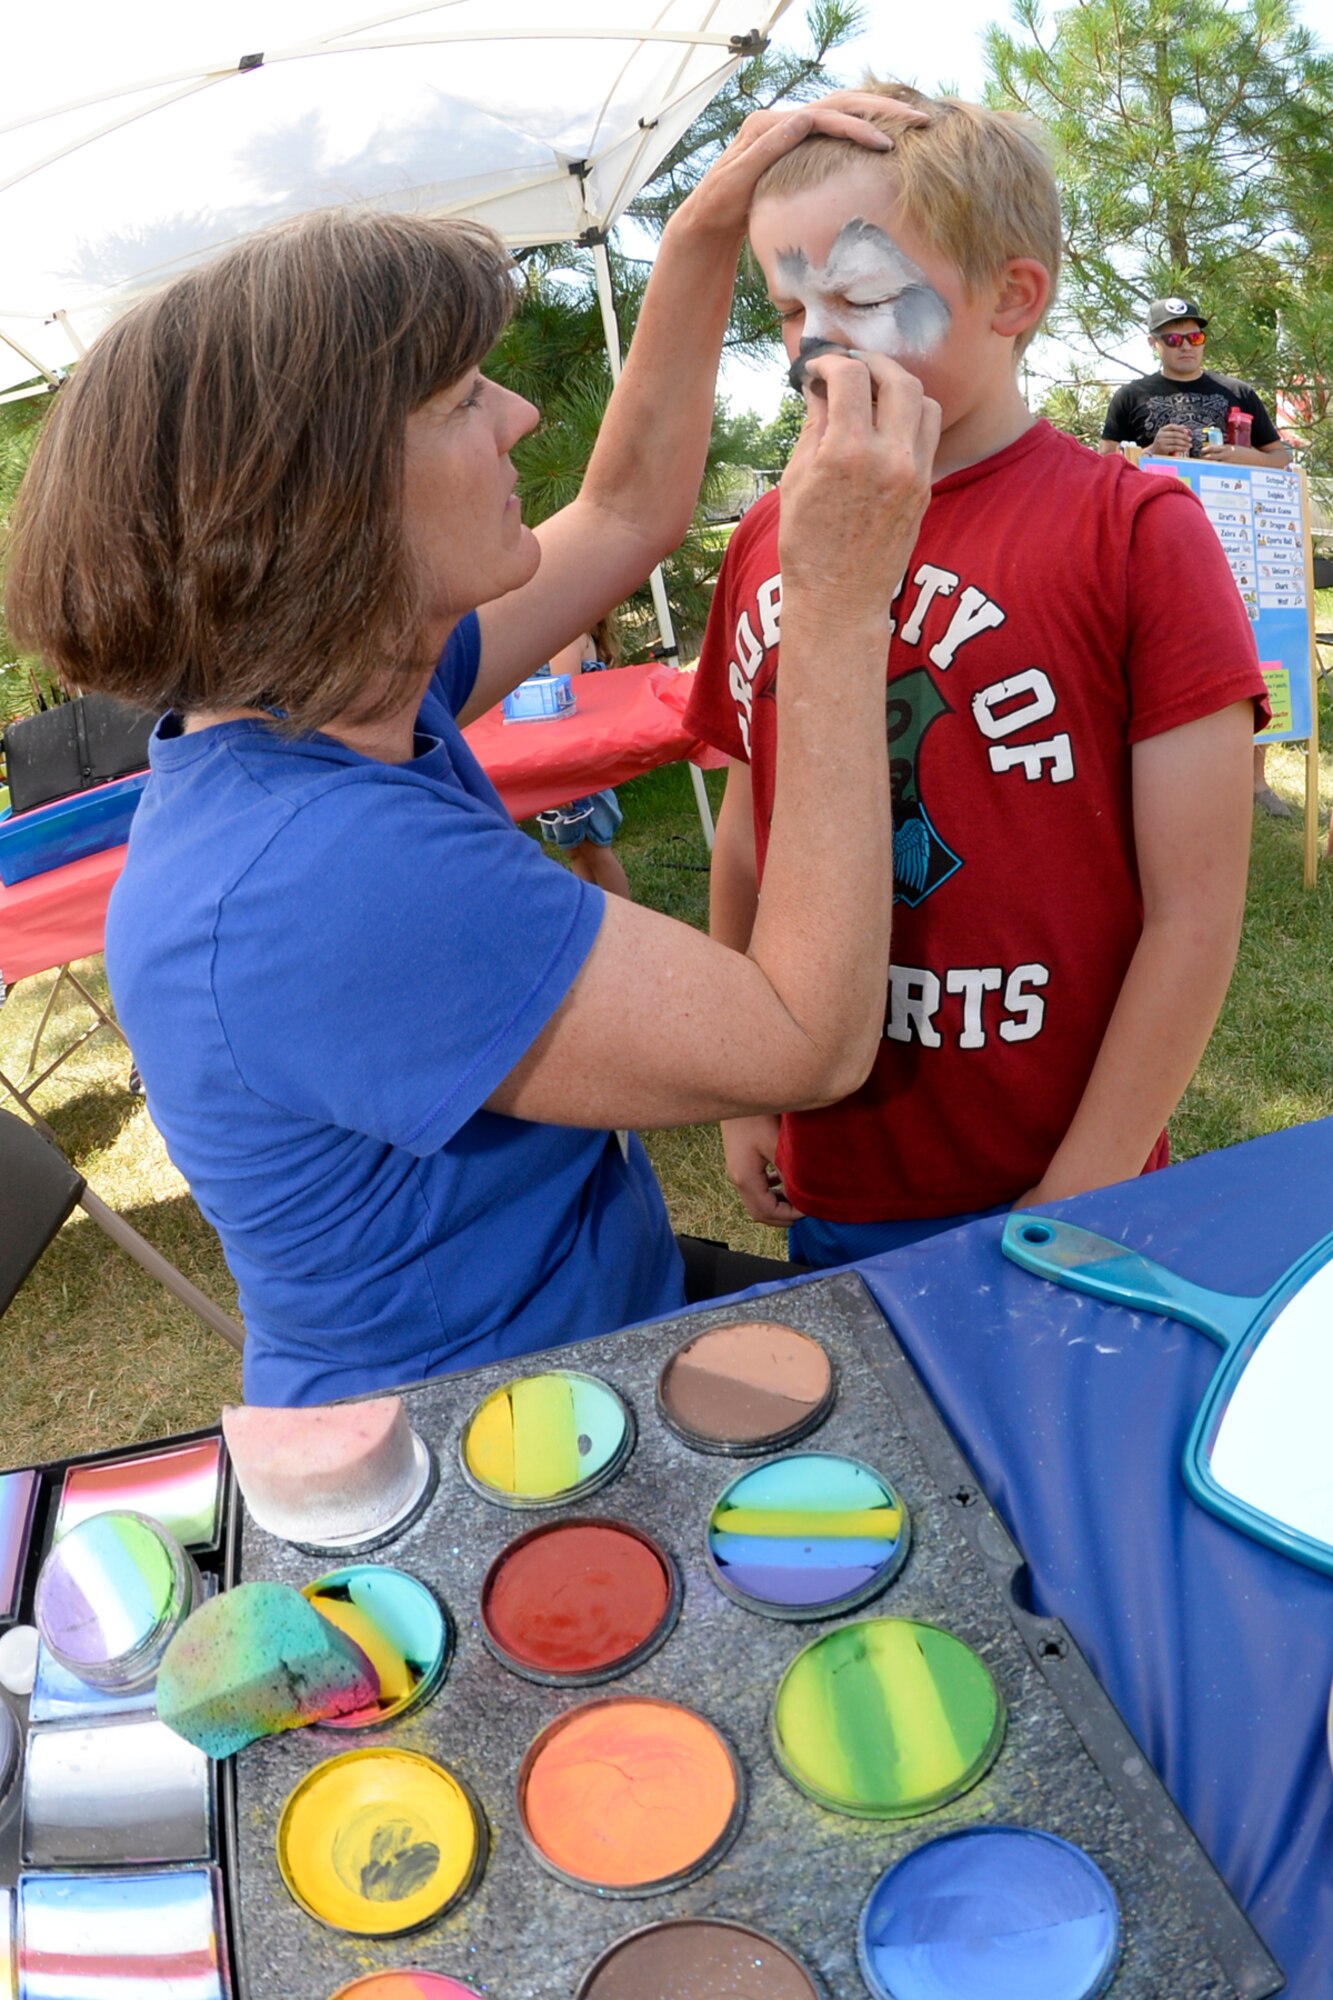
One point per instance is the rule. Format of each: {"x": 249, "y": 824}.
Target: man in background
{"x": 1181, "y": 412}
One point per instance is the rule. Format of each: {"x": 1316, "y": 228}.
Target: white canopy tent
{"x": 142, "y": 138}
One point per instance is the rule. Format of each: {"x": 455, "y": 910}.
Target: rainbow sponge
{"x": 256, "y": 1660}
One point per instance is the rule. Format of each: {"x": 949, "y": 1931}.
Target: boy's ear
{"x": 1021, "y": 296}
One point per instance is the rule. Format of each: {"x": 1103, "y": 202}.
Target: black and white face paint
{"x": 868, "y": 293}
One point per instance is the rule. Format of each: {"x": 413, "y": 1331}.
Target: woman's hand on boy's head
{"x": 857, "y": 483}
{"x": 721, "y": 202}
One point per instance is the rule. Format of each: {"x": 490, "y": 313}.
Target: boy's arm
{"x": 733, "y": 902}
{"x": 1192, "y": 819}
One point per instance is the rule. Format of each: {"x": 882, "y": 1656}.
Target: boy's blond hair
{"x": 976, "y": 183}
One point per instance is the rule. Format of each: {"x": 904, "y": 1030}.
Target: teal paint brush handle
{"x": 1076, "y": 1258}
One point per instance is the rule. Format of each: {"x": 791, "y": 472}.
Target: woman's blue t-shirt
{"x": 324, "y": 966}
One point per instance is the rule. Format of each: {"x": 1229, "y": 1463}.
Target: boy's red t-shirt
{"x": 1059, "y": 607}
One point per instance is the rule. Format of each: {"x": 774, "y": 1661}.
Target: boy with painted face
{"x": 1071, "y": 695}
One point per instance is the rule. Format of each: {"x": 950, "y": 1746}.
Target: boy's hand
{"x": 1172, "y": 441}
{"x": 749, "y": 1145}
{"x": 857, "y": 484}
{"x": 721, "y": 202}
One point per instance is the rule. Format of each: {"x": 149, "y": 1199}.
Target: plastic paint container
{"x": 697, "y": 1956}
{"x": 87, "y": 1937}
{"x": 576, "y": 1602}
{"x": 400, "y": 1626}
{"x": 111, "y": 1596}
{"x": 408, "y": 1984}
{"x": 629, "y": 1796}
{"x": 18, "y": 1506}
{"x": 1002, "y": 1910}
{"x": 746, "y": 1389}
{"x": 542, "y": 1440}
{"x": 10, "y": 1743}
{"x": 379, "y": 1842}
{"x": 180, "y": 1487}
{"x": 887, "y": 1718}
{"x": 807, "y": 1536}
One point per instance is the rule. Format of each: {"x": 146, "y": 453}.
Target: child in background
{"x": 1072, "y": 692}
{"x": 584, "y": 829}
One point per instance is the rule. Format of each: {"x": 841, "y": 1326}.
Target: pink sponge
{"x": 256, "y": 1660}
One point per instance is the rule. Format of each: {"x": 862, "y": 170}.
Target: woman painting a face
{"x": 387, "y": 1044}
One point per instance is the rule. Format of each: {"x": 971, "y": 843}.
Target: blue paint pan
{"x": 1003, "y": 1911}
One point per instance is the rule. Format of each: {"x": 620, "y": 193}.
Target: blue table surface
{"x": 1074, "y": 1414}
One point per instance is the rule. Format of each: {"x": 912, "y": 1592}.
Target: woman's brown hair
{"x": 212, "y": 515}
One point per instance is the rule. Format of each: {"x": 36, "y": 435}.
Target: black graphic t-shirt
{"x": 1139, "y": 409}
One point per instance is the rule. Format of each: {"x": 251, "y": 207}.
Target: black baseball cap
{"x": 1163, "y": 310}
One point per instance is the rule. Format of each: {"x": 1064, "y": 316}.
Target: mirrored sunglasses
{"x": 1183, "y": 339}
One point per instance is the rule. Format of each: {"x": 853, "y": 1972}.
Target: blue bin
{"x": 67, "y": 829}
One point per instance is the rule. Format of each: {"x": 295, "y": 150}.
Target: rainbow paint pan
{"x": 575, "y": 1602}
{"x": 1002, "y": 1910}
{"x": 746, "y": 1389}
{"x": 18, "y": 1507}
{"x": 60, "y": 1696}
{"x": 399, "y": 1624}
{"x": 409, "y": 1984}
{"x": 180, "y": 1486}
{"x": 380, "y": 1842}
{"x": 629, "y": 1796}
{"x": 111, "y": 1596}
{"x": 887, "y": 1718}
{"x": 543, "y": 1440}
{"x": 807, "y": 1536}
{"x": 116, "y": 1795}
{"x": 704, "y": 1956}
{"x": 8, "y": 1953}
{"x": 107, "y": 1937}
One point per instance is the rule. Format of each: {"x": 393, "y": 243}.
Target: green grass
{"x": 97, "y": 1355}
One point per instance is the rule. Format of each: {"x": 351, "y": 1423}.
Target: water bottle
{"x": 1238, "y": 426}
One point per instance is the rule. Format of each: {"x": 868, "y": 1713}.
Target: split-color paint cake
{"x": 629, "y": 1796}
{"x": 399, "y": 1625}
{"x": 1002, "y": 1910}
{"x": 576, "y": 1602}
{"x": 8, "y": 1967}
{"x": 407, "y": 1985}
{"x": 180, "y": 1487}
{"x": 807, "y": 1536}
{"x": 111, "y": 1596}
{"x": 377, "y": 1842}
{"x": 18, "y": 1504}
{"x": 123, "y": 1936}
{"x": 697, "y": 1958}
{"x": 746, "y": 1389}
{"x": 546, "y": 1438}
{"x": 887, "y": 1718}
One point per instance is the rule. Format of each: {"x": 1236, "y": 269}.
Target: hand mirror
{"x": 1260, "y": 1451}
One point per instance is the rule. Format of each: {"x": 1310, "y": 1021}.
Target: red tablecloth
{"x": 626, "y": 723}
{"x": 52, "y": 918}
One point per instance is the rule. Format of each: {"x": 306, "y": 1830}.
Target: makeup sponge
{"x": 329, "y": 1474}
{"x": 256, "y": 1660}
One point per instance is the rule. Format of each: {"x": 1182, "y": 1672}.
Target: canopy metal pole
{"x": 656, "y": 582}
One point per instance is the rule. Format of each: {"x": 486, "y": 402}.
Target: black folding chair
{"x": 38, "y": 1191}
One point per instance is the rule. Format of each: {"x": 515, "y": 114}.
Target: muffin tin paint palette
{"x": 667, "y": 1784}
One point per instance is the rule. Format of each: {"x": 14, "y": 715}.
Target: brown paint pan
{"x": 744, "y": 1389}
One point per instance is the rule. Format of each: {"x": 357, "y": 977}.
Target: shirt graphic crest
{"x": 921, "y": 858}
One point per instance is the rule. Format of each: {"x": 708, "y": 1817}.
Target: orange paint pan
{"x": 630, "y": 1796}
